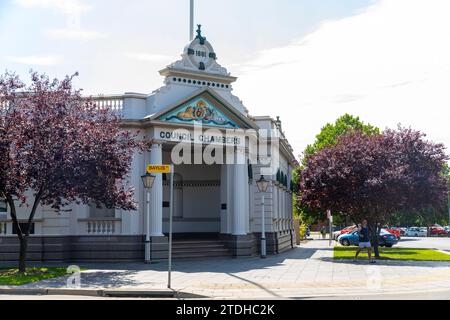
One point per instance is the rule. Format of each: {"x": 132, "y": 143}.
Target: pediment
{"x": 205, "y": 108}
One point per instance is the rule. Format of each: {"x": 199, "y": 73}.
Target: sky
{"x": 307, "y": 61}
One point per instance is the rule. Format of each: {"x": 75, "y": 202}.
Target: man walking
{"x": 364, "y": 241}
{"x": 323, "y": 232}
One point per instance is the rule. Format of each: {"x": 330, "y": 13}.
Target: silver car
{"x": 416, "y": 232}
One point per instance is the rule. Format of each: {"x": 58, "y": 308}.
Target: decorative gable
{"x": 199, "y": 111}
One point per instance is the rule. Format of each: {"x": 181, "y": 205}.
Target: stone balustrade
{"x": 101, "y": 226}
{"x": 113, "y": 102}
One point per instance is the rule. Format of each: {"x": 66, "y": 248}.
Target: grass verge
{"x": 11, "y": 276}
{"x": 394, "y": 254}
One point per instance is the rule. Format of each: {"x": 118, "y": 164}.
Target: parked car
{"x": 346, "y": 230}
{"x": 386, "y": 239}
{"x": 438, "y": 231}
{"x": 416, "y": 232}
{"x": 394, "y": 231}
{"x": 401, "y": 230}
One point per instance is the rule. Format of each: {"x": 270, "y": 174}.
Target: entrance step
{"x": 198, "y": 249}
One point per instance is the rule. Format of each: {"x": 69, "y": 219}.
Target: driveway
{"x": 306, "y": 271}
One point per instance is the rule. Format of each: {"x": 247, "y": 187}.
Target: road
{"x": 431, "y": 295}
{"x": 440, "y": 243}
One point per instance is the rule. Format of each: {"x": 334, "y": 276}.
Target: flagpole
{"x": 191, "y": 21}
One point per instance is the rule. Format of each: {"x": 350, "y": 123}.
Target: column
{"x": 156, "y": 194}
{"x": 275, "y": 207}
{"x": 247, "y": 203}
{"x": 131, "y": 220}
{"x": 226, "y": 199}
{"x": 240, "y": 193}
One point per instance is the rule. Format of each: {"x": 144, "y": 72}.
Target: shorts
{"x": 365, "y": 245}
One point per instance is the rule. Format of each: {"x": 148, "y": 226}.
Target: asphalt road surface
{"x": 440, "y": 243}
{"x": 431, "y": 295}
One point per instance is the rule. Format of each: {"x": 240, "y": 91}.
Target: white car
{"x": 336, "y": 235}
{"x": 416, "y": 232}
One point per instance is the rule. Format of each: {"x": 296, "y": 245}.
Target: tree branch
{"x": 11, "y": 204}
{"x": 37, "y": 199}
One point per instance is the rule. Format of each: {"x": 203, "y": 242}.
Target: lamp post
{"x": 148, "y": 180}
{"x": 262, "y": 185}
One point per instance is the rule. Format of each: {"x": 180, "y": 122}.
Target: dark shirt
{"x": 364, "y": 235}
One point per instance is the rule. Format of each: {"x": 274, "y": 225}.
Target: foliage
{"x": 327, "y": 137}
{"x": 61, "y": 148}
{"x": 394, "y": 254}
{"x": 423, "y": 217}
{"x": 374, "y": 176}
{"x": 12, "y": 277}
{"x": 303, "y": 230}
{"x": 330, "y": 133}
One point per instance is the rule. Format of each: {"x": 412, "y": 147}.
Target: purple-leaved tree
{"x": 374, "y": 176}
{"x": 61, "y": 149}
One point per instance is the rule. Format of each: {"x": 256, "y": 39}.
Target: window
{"x": 3, "y": 206}
{"x": 23, "y": 226}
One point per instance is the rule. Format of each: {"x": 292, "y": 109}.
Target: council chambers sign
{"x": 211, "y": 136}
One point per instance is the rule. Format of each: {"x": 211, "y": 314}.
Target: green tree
{"x": 330, "y": 133}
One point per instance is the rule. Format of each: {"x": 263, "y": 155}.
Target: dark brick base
{"x": 276, "y": 242}
{"x": 240, "y": 246}
{"x": 75, "y": 248}
{"x": 127, "y": 248}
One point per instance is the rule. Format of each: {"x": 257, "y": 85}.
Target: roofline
{"x": 168, "y": 71}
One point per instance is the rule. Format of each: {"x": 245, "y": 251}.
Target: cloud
{"x": 73, "y": 9}
{"x": 70, "y": 7}
{"x": 389, "y": 64}
{"x": 149, "y": 57}
{"x": 35, "y": 60}
{"x": 74, "y": 34}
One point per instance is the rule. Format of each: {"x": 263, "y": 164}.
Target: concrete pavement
{"x": 306, "y": 271}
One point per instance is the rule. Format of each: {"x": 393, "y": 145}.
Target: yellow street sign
{"x": 158, "y": 168}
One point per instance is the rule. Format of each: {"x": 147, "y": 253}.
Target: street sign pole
{"x": 164, "y": 168}
{"x": 330, "y": 227}
{"x": 170, "y": 227}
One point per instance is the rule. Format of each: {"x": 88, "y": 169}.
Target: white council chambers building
{"x": 216, "y": 208}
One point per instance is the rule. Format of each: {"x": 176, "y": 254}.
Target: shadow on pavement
{"x": 225, "y": 265}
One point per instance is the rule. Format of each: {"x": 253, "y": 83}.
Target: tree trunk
{"x": 23, "y": 254}
{"x": 23, "y": 236}
{"x": 374, "y": 239}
